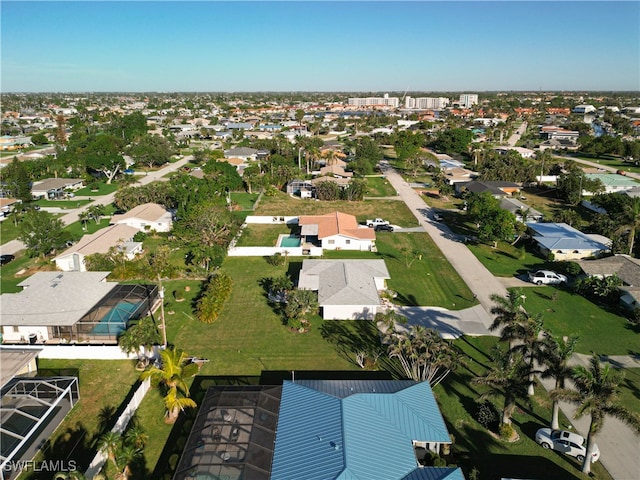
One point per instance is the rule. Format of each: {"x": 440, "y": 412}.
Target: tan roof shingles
{"x": 150, "y": 212}
{"x": 102, "y": 240}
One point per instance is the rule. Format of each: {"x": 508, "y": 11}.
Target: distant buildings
{"x": 426, "y": 103}
{"x": 385, "y": 101}
{"x": 468, "y": 100}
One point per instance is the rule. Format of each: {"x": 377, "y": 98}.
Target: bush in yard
{"x": 488, "y": 416}
{"x": 212, "y": 299}
{"x": 276, "y": 259}
{"x": 506, "y": 431}
{"x": 567, "y": 268}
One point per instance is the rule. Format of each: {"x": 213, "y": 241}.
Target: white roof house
{"x": 347, "y": 289}
{"x": 336, "y": 231}
{"x": 120, "y": 235}
{"x": 149, "y": 216}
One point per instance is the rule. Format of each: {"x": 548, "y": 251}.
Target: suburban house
{"x": 244, "y": 153}
{"x": 119, "y": 235}
{"x": 336, "y": 231}
{"x": 612, "y": 182}
{"x": 55, "y": 187}
{"x": 523, "y": 152}
{"x": 567, "y": 243}
{"x": 498, "y": 189}
{"x": 317, "y": 430}
{"x": 32, "y": 407}
{"x": 145, "y": 218}
{"x": 7, "y": 205}
{"x": 301, "y": 188}
{"x": 626, "y": 268}
{"x": 347, "y": 289}
{"x": 522, "y": 211}
{"x": 60, "y": 307}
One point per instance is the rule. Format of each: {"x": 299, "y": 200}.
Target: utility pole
{"x": 300, "y": 150}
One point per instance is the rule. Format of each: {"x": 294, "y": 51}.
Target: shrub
{"x": 506, "y": 431}
{"x": 276, "y": 259}
{"x": 213, "y": 298}
{"x": 487, "y": 415}
{"x": 139, "y": 237}
{"x": 568, "y": 268}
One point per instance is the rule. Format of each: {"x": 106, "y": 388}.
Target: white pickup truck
{"x": 376, "y": 222}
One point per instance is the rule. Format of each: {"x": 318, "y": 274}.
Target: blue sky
{"x": 319, "y": 46}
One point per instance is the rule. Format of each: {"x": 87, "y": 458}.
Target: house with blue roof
{"x": 317, "y": 430}
{"x": 350, "y": 430}
{"x": 567, "y": 243}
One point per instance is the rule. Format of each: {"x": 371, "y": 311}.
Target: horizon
{"x": 323, "y": 47}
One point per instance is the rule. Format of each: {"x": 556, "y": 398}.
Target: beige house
{"x": 120, "y": 236}
{"x": 147, "y": 217}
{"x": 336, "y": 231}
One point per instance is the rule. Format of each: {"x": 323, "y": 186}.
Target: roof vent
{"x": 334, "y": 445}
{"x": 319, "y": 438}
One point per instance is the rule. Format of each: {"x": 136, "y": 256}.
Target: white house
{"x": 347, "y": 289}
{"x": 146, "y": 217}
{"x": 566, "y": 243}
{"x": 120, "y": 236}
{"x": 336, "y": 231}
{"x": 55, "y": 187}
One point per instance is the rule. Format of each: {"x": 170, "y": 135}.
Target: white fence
{"x": 75, "y": 351}
{"x": 99, "y": 460}
{"x": 267, "y": 251}
{"x": 273, "y": 220}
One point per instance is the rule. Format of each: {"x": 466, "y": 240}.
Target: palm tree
{"x": 84, "y": 218}
{"x": 171, "y": 377}
{"x": 109, "y": 444}
{"x": 509, "y": 312}
{"x": 631, "y": 220}
{"x": 555, "y": 356}
{"x": 528, "y": 334}
{"x": 508, "y": 379}
{"x": 596, "y": 394}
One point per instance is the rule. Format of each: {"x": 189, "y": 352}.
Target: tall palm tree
{"x": 109, "y": 444}
{"x": 528, "y": 334}
{"x": 596, "y": 394}
{"x": 508, "y": 379}
{"x": 171, "y": 377}
{"x": 509, "y": 311}
{"x": 556, "y": 353}
{"x": 631, "y": 220}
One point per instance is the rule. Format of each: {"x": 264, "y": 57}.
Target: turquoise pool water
{"x": 290, "y": 241}
{"x": 116, "y": 319}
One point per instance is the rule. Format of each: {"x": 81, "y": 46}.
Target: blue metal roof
{"x": 334, "y": 430}
{"x": 435, "y": 473}
{"x": 560, "y": 236}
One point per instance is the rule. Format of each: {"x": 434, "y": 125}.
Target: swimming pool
{"x": 116, "y": 319}
{"x": 289, "y": 241}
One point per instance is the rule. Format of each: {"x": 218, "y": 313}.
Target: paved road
{"x": 619, "y": 446}
{"x": 595, "y": 164}
{"x": 513, "y": 139}
{"x": 481, "y": 282}
{"x": 72, "y": 216}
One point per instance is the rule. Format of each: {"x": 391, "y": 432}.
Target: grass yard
{"x": 630, "y": 391}
{"x": 600, "y": 331}
{"x": 379, "y": 187}
{"x": 494, "y": 458}
{"x": 612, "y": 161}
{"x": 77, "y": 229}
{"x": 282, "y": 204}
{"x": 507, "y": 260}
{"x": 244, "y": 200}
{"x": 261, "y": 235}
{"x": 103, "y": 189}
{"x": 104, "y": 387}
{"x": 428, "y": 281}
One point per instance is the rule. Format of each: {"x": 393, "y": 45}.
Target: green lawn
{"x": 78, "y": 229}
{"x": 395, "y": 212}
{"x": 507, "y": 260}
{"x": 611, "y": 161}
{"x": 244, "y": 200}
{"x": 262, "y": 235}
{"x": 104, "y": 386}
{"x": 8, "y": 279}
{"x": 630, "y": 391}
{"x": 600, "y": 331}
{"x": 103, "y": 189}
{"x": 494, "y": 458}
{"x": 379, "y": 187}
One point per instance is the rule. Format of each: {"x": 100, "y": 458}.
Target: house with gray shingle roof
{"x": 347, "y": 289}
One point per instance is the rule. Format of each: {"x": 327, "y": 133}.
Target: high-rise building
{"x": 426, "y": 103}
{"x": 468, "y": 100}
{"x": 385, "y": 101}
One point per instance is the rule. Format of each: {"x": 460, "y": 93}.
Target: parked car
{"x": 568, "y": 443}
{"x": 4, "y": 259}
{"x": 547, "y": 277}
{"x": 376, "y": 222}
{"x": 383, "y": 228}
